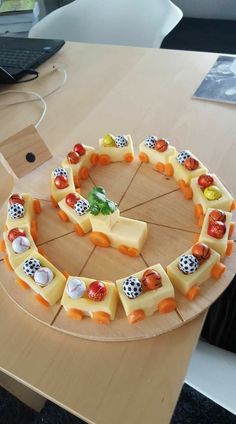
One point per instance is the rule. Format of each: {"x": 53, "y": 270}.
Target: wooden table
{"x": 118, "y": 90}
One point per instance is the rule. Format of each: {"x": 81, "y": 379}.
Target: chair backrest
{"x": 123, "y": 22}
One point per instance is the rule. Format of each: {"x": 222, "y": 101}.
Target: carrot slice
{"x": 231, "y": 228}
{"x": 135, "y": 316}
{"x": 233, "y": 206}
{"x": 2, "y": 246}
{"x": 188, "y": 193}
{"x": 230, "y": 247}
{"x": 34, "y": 231}
{"x": 104, "y": 160}
{"x": 128, "y": 157}
{"x": 196, "y": 237}
{"x": 66, "y": 274}
{"x": 193, "y": 292}
{"x": 22, "y": 284}
{"x": 99, "y": 239}
{"x": 53, "y": 202}
{"x": 198, "y": 210}
{"x": 169, "y": 170}
{"x": 79, "y": 230}
{"x": 7, "y": 263}
{"x": 76, "y": 181}
{"x": 143, "y": 157}
{"x": 42, "y": 252}
{"x": 94, "y": 158}
{"x": 83, "y": 173}
{"x": 217, "y": 270}
{"x": 41, "y": 300}
{"x": 182, "y": 184}
{"x": 132, "y": 251}
{"x": 37, "y": 206}
{"x": 63, "y": 216}
{"x": 160, "y": 167}
{"x": 167, "y": 305}
{"x": 101, "y": 317}
{"x": 200, "y": 220}
{"x": 123, "y": 249}
{"x": 75, "y": 314}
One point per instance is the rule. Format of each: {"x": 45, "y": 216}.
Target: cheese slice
{"x": 16, "y": 258}
{"x": 117, "y": 154}
{"x": 155, "y": 156}
{"x": 149, "y": 300}
{"x": 183, "y": 282}
{"x": 59, "y": 194}
{"x": 104, "y": 223}
{"x": 224, "y": 202}
{"x": 87, "y": 306}
{"x": 85, "y": 161}
{"x": 28, "y": 216}
{"x": 220, "y": 245}
{"x": 181, "y": 173}
{"x": 53, "y": 291}
{"x": 82, "y": 220}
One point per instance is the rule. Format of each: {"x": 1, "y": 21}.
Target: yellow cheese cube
{"x": 85, "y": 161}
{"x": 181, "y": 173}
{"x": 53, "y": 291}
{"x": 89, "y": 307}
{"x": 29, "y": 213}
{"x": 117, "y": 154}
{"x": 82, "y": 220}
{"x": 104, "y": 223}
{"x": 154, "y": 156}
{"x": 225, "y": 202}
{"x": 220, "y": 245}
{"x": 148, "y": 300}
{"x": 59, "y": 194}
{"x": 184, "y": 282}
{"x": 16, "y": 258}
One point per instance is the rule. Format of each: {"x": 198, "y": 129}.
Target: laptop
{"x": 20, "y": 56}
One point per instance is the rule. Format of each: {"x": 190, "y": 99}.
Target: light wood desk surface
{"x": 118, "y": 90}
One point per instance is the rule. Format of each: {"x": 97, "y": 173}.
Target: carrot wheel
{"x": 76, "y": 181}
{"x": 53, "y": 202}
{"x": 123, "y": 249}
{"x": 22, "y": 284}
{"x": 135, "y": 316}
{"x": 2, "y": 246}
{"x": 133, "y": 252}
{"x": 66, "y": 274}
{"x": 94, "y": 158}
{"x": 230, "y": 247}
{"x": 37, "y": 206}
{"x": 63, "y": 216}
{"x": 167, "y": 305}
{"x": 233, "y": 206}
{"x": 188, "y": 193}
{"x": 196, "y": 237}
{"x": 231, "y": 228}
{"x": 41, "y": 300}
{"x": 128, "y": 157}
{"x": 193, "y": 292}
{"x": 182, "y": 184}
{"x": 200, "y": 220}
{"x": 42, "y": 252}
{"x": 169, "y": 170}
{"x": 217, "y": 270}
{"x": 75, "y": 314}
{"x": 79, "y": 230}
{"x": 7, "y": 263}
{"x": 143, "y": 157}
{"x": 83, "y": 173}
{"x": 198, "y": 210}
{"x": 160, "y": 167}
{"x": 34, "y": 230}
{"x": 101, "y": 317}
{"x": 99, "y": 239}
{"x": 104, "y": 160}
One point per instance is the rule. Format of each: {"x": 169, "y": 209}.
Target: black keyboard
{"x": 19, "y": 58}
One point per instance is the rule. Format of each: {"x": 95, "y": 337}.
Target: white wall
{"x": 208, "y": 9}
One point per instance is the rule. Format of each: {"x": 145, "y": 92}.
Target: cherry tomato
{"x": 71, "y": 199}
{"x": 73, "y": 157}
{"x": 16, "y": 198}
{"x": 80, "y": 149}
{"x": 14, "y": 233}
{"x": 97, "y": 291}
{"x": 61, "y": 182}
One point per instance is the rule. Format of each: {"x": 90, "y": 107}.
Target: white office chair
{"x": 212, "y": 372}
{"x": 123, "y": 22}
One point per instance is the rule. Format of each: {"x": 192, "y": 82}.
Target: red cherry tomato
{"x": 16, "y": 198}
{"x": 14, "y": 233}
{"x": 97, "y": 291}
{"x": 73, "y": 158}
{"x": 216, "y": 229}
{"x": 80, "y": 149}
{"x": 71, "y": 199}
{"x": 217, "y": 215}
{"x": 61, "y": 182}
{"x": 205, "y": 180}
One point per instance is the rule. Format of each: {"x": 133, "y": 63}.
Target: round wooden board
{"x": 141, "y": 193}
